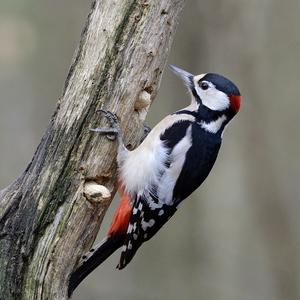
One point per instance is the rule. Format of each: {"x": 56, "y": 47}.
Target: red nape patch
{"x": 122, "y": 215}
{"x": 235, "y": 102}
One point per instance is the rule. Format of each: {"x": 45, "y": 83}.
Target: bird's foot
{"x": 115, "y": 129}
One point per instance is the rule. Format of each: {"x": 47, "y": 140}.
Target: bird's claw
{"x": 112, "y": 132}
{"x": 111, "y": 117}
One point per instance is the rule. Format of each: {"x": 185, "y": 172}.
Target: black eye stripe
{"x": 203, "y": 85}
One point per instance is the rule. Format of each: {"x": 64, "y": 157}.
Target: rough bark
{"x": 51, "y": 214}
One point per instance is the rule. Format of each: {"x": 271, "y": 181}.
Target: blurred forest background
{"x": 238, "y": 236}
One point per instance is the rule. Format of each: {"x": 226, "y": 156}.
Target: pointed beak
{"x": 185, "y": 76}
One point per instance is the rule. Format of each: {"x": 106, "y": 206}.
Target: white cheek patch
{"x": 212, "y": 97}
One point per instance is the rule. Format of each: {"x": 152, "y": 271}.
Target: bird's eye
{"x": 204, "y": 85}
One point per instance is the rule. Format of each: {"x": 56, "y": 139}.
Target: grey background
{"x": 237, "y": 237}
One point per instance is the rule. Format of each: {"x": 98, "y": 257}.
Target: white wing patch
{"x": 142, "y": 167}
{"x": 177, "y": 158}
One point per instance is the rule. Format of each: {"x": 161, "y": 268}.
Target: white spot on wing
{"x": 161, "y": 212}
{"x": 129, "y": 245}
{"x": 145, "y": 225}
{"x": 130, "y": 227}
{"x": 140, "y": 206}
{"x": 134, "y": 226}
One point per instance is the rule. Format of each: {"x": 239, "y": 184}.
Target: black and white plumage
{"x": 176, "y": 157}
{"x": 172, "y": 161}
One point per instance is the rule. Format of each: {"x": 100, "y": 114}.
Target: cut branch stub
{"x": 95, "y": 192}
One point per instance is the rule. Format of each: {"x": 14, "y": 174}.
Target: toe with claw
{"x": 113, "y": 131}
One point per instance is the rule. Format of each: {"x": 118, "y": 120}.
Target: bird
{"x": 172, "y": 161}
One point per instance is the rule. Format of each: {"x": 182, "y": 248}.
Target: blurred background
{"x": 238, "y": 236}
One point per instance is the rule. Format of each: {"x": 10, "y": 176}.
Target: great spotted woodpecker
{"x": 172, "y": 161}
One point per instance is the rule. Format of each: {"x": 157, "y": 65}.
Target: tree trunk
{"x": 51, "y": 214}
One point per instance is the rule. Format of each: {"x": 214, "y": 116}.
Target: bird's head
{"x": 214, "y": 91}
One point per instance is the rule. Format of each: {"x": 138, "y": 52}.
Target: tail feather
{"x": 93, "y": 259}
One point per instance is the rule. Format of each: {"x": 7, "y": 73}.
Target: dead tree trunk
{"x": 51, "y": 214}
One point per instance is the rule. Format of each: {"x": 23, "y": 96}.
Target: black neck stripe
{"x": 187, "y": 112}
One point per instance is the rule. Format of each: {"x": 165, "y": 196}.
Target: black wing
{"x": 145, "y": 221}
